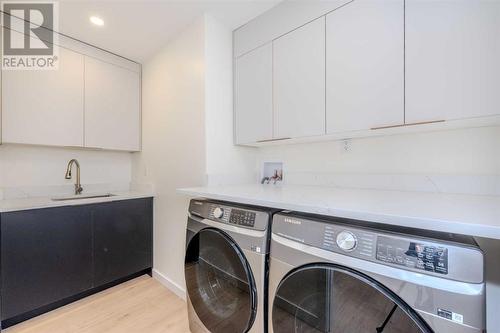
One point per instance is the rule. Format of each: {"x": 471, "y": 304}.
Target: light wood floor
{"x": 141, "y": 305}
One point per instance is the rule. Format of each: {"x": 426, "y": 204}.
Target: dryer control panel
{"x": 359, "y": 243}
{"x": 410, "y": 252}
{"x": 431, "y": 258}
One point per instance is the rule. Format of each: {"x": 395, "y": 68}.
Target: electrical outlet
{"x": 346, "y": 145}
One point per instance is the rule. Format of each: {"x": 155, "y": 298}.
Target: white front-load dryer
{"x": 227, "y": 252}
{"x": 337, "y": 275}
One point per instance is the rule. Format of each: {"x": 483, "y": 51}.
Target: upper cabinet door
{"x": 254, "y": 96}
{"x": 365, "y": 65}
{"x": 112, "y": 106}
{"x": 44, "y": 107}
{"x": 452, "y": 59}
{"x": 299, "y": 81}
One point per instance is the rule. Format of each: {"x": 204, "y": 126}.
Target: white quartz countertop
{"x": 464, "y": 214}
{"x": 11, "y": 205}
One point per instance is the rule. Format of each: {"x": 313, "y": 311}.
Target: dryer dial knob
{"x": 346, "y": 241}
{"x": 218, "y": 212}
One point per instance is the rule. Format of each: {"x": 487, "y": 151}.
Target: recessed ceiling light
{"x": 97, "y": 20}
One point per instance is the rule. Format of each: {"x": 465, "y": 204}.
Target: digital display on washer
{"x": 413, "y": 254}
{"x": 242, "y": 217}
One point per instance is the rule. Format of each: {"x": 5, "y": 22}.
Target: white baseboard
{"x": 171, "y": 285}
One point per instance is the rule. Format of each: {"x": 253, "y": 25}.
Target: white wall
{"x": 457, "y": 161}
{"x": 187, "y": 133}
{"x": 225, "y": 163}
{"x": 173, "y": 144}
{"x": 28, "y": 167}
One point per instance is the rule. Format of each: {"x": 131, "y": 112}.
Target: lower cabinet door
{"x": 46, "y": 256}
{"x": 123, "y": 237}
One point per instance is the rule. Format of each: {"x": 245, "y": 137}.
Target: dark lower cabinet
{"x": 123, "y": 234}
{"x": 52, "y": 256}
{"x": 46, "y": 256}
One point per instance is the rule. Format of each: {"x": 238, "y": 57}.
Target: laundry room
{"x": 261, "y": 166}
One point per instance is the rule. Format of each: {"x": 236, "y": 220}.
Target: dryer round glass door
{"x": 330, "y": 298}
{"x": 219, "y": 282}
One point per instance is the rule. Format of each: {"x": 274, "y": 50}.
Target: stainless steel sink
{"x": 83, "y": 196}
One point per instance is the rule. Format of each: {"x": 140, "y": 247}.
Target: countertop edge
{"x": 32, "y": 203}
{"x": 475, "y": 230}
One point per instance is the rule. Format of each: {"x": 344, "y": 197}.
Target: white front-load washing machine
{"x": 227, "y": 253}
{"x": 337, "y": 275}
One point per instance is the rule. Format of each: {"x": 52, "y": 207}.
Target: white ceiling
{"x": 137, "y": 29}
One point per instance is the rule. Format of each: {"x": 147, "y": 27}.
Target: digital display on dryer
{"x": 413, "y": 255}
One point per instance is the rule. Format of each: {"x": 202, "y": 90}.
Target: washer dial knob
{"x": 218, "y": 212}
{"x": 346, "y": 240}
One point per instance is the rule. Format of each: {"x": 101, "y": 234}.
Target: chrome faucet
{"x": 78, "y": 185}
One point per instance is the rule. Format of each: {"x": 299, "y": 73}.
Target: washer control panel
{"x": 236, "y": 216}
{"x": 416, "y": 255}
{"x": 219, "y": 212}
{"x": 242, "y": 217}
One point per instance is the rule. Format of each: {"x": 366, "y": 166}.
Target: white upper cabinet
{"x": 112, "y": 106}
{"x": 280, "y": 20}
{"x": 342, "y": 68}
{"x": 44, "y": 107}
{"x": 299, "y": 82}
{"x": 452, "y": 59}
{"x": 254, "y": 96}
{"x": 365, "y": 65}
{"x": 85, "y": 102}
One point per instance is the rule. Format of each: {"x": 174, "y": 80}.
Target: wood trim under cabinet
{"x": 272, "y": 140}
{"x": 409, "y": 124}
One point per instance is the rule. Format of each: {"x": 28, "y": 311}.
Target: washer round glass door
{"x": 335, "y": 299}
{"x": 219, "y": 282}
